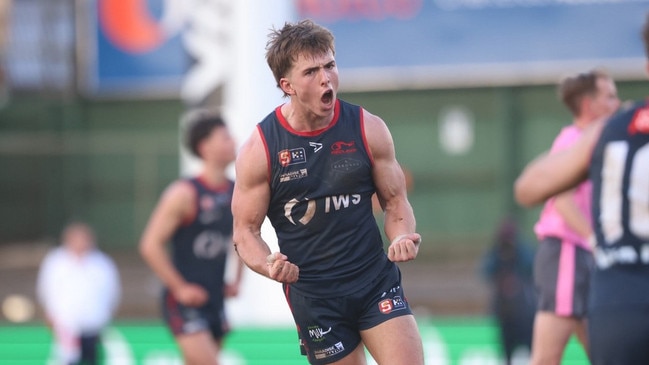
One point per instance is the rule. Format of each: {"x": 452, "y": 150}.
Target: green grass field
{"x": 447, "y": 341}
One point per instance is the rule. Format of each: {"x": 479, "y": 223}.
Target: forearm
{"x": 399, "y": 219}
{"x": 252, "y": 250}
{"x": 158, "y": 260}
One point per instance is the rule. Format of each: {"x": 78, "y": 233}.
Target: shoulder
{"x": 180, "y": 189}
{"x": 252, "y": 157}
{"x": 566, "y": 137}
{"x": 377, "y": 134}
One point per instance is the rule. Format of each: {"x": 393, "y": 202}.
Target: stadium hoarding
{"x": 397, "y": 44}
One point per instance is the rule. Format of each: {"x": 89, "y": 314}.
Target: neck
{"x": 304, "y": 120}
{"x": 581, "y": 122}
{"x": 213, "y": 175}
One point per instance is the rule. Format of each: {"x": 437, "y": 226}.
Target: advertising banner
{"x": 388, "y": 44}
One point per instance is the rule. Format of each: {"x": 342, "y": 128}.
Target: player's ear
{"x": 286, "y": 86}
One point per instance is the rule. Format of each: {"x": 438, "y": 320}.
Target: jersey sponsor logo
{"x": 293, "y": 175}
{"x": 621, "y": 255}
{"x": 317, "y": 334}
{"x": 338, "y": 202}
{"x": 340, "y": 147}
{"x": 211, "y": 207}
{"x": 316, "y": 146}
{"x": 388, "y": 306}
{"x": 308, "y": 215}
{"x": 291, "y": 156}
{"x": 346, "y": 165}
{"x": 329, "y": 351}
{"x": 640, "y": 122}
{"x": 209, "y": 244}
{"x": 333, "y": 203}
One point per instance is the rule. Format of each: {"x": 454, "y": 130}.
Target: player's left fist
{"x": 404, "y": 247}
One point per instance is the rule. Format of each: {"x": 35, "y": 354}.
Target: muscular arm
{"x": 390, "y": 182}
{"x": 249, "y": 206}
{"x": 174, "y": 205}
{"x": 551, "y": 174}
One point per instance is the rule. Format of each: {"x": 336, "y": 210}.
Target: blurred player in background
{"x": 564, "y": 260}
{"x": 312, "y": 166}
{"x": 195, "y": 216}
{"x": 615, "y": 155}
{"x": 78, "y": 287}
{"x": 507, "y": 266}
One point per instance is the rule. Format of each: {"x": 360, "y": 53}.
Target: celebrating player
{"x": 312, "y": 166}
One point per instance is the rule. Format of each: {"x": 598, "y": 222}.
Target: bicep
{"x": 388, "y": 176}
{"x": 251, "y": 190}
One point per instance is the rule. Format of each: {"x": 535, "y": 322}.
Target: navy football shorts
{"x": 187, "y": 320}
{"x": 619, "y": 336}
{"x": 329, "y": 328}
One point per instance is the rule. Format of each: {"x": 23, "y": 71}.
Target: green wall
{"x": 108, "y": 161}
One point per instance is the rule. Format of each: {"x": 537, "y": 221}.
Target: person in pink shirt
{"x": 564, "y": 260}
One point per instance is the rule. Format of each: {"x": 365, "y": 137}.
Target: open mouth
{"x": 327, "y": 97}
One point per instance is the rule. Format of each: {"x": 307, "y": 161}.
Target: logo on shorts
{"x": 317, "y": 334}
{"x": 329, "y": 351}
{"x": 388, "y": 306}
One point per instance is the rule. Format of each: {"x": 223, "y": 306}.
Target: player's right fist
{"x": 282, "y": 270}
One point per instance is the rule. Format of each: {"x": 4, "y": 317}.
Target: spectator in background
{"x": 194, "y": 216}
{"x": 507, "y": 266}
{"x": 564, "y": 260}
{"x": 78, "y": 287}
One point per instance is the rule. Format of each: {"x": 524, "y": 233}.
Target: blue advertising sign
{"x": 424, "y": 43}
{"x": 133, "y": 52}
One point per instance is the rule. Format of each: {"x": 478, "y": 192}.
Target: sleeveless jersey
{"x": 620, "y": 175}
{"x": 320, "y": 205}
{"x": 200, "y": 247}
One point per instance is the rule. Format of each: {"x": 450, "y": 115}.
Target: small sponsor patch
{"x": 388, "y": 306}
{"x": 293, "y": 175}
{"x": 329, "y": 351}
{"x": 291, "y": 156}
{"x": 640, "y": 122}
{"x": 346, "y": 165}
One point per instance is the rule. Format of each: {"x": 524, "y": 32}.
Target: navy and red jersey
{"x": 620, "y": 175}
{"x": 200, "y": 247}
{"x": 321, "y": 202}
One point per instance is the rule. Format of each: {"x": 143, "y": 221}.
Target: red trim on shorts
{"x": 175, "y": 319}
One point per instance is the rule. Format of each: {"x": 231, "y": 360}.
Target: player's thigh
{"x": 551, "y": 334}
{"x": 198, "y": 348}
{"x": 395, "y": 342}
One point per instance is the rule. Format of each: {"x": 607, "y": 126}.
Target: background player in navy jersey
{"x": 312, "y": 166}
{"x": 615, "y": 155}
{"x": 195, "y": 216}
